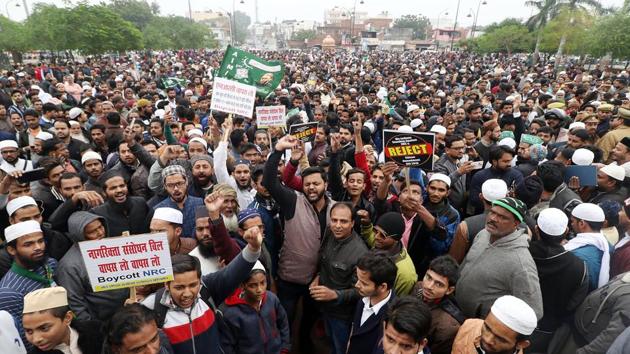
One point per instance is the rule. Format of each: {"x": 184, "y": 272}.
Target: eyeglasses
{"x": 178, "y": 185}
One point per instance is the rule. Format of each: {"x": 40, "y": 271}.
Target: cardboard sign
{"x": 270, "y": 116}
{"x": 233, "y": 97}
{"x": 409, "y": 149}
{"x": 304, "y": 132}
{"x": 586, "y": 174}
{"x": 127, "y": 261}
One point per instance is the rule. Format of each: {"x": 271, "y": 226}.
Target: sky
{"x": 278, "y": 10}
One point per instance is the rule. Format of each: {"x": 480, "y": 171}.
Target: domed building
{"x": 328, "y": 43}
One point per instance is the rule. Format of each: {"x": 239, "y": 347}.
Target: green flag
{"x": 246, "y": 68}
{"x": 173, "y": 81}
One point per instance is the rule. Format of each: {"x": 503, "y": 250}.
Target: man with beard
{"x": 93, "y": 167}
{"x": 499, "y": 263}
{"x": 48, "y": 189}
{"x": 76, "y": 198}
{"x": 31, "y": 269}
{"x": 505, "y": 330}
{"x": 449, "y": 164}
{"x": 490, "y": 133}
{"x": 530, "y": 152}
{"x": 620, "y": 128}
{"x": 127, "y": 163}
{"x": 621, "y": 153}
{"x": 175, "y": 182}
{"x": 18, "y": 105}
{"x": 202, "y": 172}
{"x": 240, "y": 179}
{"x": 305, "y": 216}
{"x": 62, "y": 131}
{"x": 26, "y": 208}
{"x": 214, "y": 245}
{"x": 230, "y": 207}
{"x": 122, "y": 212}
{"x": 169, "y": 221}
{"x": 501, "y": 159}
{"x": 10, "y": 158}
{"x": 99, "y": 140}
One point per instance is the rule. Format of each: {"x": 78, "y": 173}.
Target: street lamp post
{"x": 474, "y": 28}
{"x": 6, "y": 7}
{"x": 455, "y": 25}
{"x": 354, "y": 14}
{"x": 437, "y": 42}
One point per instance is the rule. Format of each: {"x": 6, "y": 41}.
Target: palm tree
{"x": 547, "y": 9}
{"x": 572, "y": 6}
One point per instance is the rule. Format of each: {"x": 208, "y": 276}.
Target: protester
{"x": 506, "y": 329}
{"x": 101, "y": 147}
{"x": 50, "y": 327}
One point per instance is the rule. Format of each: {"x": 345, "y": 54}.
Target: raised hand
{"x": 335, "y": 142}
{"x": 254, "y": 238}
{"x": 91, "y": 198}
{"x": 214, "y": 203}
{"x": 388, "y": 170}
{"x": 286, "y": 142}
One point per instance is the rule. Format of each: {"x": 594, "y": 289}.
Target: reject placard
{"x": 270, "y": 116}
{"x": 233, "y": 97}
{"x": 127, "y": 261}
{"x": 409, "y": 149}
{"x": 304, "y": 131}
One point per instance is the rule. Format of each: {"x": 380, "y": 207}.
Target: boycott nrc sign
{"x": 127, "y": 261}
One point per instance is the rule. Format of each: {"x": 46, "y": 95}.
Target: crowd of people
{"x": 516, "y": 241}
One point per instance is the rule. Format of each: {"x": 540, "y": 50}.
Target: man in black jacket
{"x": 50, "y": 328}
{"x": 122, "y": 212}
{"x": 563, "y": 276}
{"x": 376, "y": 275}
{"x": 333, "y": 288}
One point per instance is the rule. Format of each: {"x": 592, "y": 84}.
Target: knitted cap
{"x": 513, "y": 205}
{"x": 392, "y": 224}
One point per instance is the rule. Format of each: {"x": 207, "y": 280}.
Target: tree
{"x": 89, "y": 29}
{"x": 138, "y": 12}
{"x": 610, "y": 36}
{"x": 506, "y": 39}
{"x": 569, "y": 29}
{"x": 47, "y": 28}
{"x": 301, "y": 35}
{"x": 101, "y": 30}
{"x": 13, "y": 38}
{"x": 240, "y": 25}
{"x": 420, "y": 25}
{"x": 573, "y": 6}
{"x": 174, "y": 32}
{"x": 547, "y": 10}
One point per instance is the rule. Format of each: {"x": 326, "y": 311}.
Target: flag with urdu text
{"x": 246, "y": 68}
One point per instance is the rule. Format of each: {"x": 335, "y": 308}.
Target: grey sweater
{"x": 490, "y": 271}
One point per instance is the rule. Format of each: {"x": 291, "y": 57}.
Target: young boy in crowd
{"x": 256, "y": 321}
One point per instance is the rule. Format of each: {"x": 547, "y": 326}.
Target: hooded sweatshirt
{"x": 72, "y": 275}
{"x": 252, "y": 331}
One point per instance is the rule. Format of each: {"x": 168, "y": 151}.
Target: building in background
{"x": 219, "y": 24}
